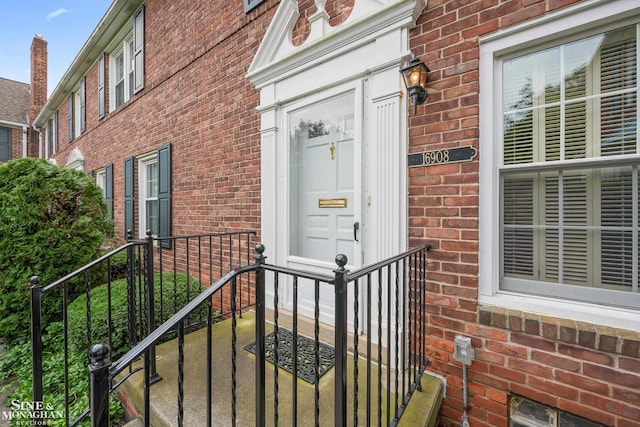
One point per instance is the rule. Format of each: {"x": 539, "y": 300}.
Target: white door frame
{"x": 364, "y": 53}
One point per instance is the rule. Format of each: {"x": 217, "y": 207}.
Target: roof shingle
{"x": 14, "y": 101}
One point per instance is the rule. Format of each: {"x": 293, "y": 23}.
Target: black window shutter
{"x": 5, "y": 144}
{"x": 101, "y": 98}
{"x": 164, "y": 193}
{"x": 129, "y": 201}
{"x": 138, "y": 50}
{"x": 83, "y": 104}
{"x": 108, "y": 187}
{"x": 70, "y": 117}
{"x": 251, "y": 4}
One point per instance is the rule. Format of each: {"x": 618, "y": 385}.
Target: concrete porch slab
{"x": 164, "y": 394}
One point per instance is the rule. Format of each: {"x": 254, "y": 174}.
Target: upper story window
{"x": 70, "y": 121}
{"x": 80, "y": 108}
{"x": 54, "y": 128}
{"x": 563, "y": 179}
{"x": 127, "y": 63}
{"x": 122, "y": 66}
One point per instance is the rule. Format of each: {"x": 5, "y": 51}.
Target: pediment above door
{"x": 277, "y": 57}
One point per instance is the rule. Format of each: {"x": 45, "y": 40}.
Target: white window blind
{"x": 569, "y": 176}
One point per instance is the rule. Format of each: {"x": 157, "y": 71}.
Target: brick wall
{"x": 196, "y": 97}
{"x": 584, "y": 369}
{"x": 16, "y": 143}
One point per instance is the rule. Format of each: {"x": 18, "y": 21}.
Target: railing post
{"x": 36, "y": 340}
{"x": 340, "y": 288}
{"x": 149, "y": 284}
{"x": 131, "y": 291}
{"x": 260, "y": 332}
{"x": 100, "y": 357}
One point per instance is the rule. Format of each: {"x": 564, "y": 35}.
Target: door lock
{"x": 356, "y": 227}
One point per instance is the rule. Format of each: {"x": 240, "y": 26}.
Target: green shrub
{"x": 53, "y": 220}
{"x": 15, "y": 362}
{"x": 182, "y": 284}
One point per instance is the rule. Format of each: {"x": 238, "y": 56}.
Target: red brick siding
{"x": 16, "y": 143}
{"x": 197, "y": 98}
{"x": 576, "y": 368}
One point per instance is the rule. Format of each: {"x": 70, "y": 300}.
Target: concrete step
{"x": 164, "y": 403}
{"x": 136, "y": 422}
{"x": 424, "y": 406}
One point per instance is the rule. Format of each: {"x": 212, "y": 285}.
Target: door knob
{"x": 356, "y": 227}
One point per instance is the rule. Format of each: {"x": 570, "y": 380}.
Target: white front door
{"x": 324, "y": 195}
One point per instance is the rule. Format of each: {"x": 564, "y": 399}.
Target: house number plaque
{"x": 439, "y": 157}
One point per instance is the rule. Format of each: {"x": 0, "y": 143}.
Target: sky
{"x": 64, "y": 24}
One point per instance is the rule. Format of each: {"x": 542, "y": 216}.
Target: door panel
{"x": 322, "y": 194}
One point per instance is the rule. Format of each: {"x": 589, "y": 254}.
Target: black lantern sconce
{"x": 415, "y": 79}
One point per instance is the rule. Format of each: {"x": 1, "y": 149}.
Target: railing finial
{"x": 100, "y": 355}
{"x": 341, "y": 261}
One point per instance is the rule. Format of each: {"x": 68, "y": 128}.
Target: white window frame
{"x": 143, "y": 162}
{"x": 101, "y": 179}
{"x": 123, "y": 47}
{"x": 575, "y": 21}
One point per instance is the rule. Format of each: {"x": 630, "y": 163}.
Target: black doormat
{"x": 306, "y": 357}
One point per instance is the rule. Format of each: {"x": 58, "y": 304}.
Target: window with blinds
{"x": 570, "y": 197}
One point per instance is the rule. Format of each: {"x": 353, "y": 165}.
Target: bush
{"x": 184, "y": 287}
{"x": 53, "y": 220}
{"x": 15, "y": 362}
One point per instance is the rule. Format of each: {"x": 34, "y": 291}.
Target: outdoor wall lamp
{"x": 415, "y": 79}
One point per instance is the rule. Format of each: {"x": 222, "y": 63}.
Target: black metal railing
{"x": 160, "y": 275}
{"x": 380, "y": 307}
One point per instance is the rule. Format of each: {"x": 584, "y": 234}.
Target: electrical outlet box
{"x": 463, "y": 352}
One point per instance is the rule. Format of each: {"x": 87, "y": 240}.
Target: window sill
{"x": 613, "y": 317}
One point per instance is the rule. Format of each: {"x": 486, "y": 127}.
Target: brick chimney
{"x": 38, "y": 86}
